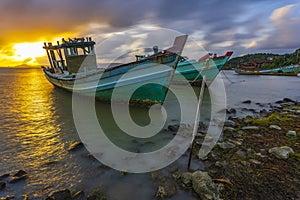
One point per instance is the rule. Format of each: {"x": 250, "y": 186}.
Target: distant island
{"x": 266, "y": 60}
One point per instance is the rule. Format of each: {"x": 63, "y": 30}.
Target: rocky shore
{"x": 257, "y": 157}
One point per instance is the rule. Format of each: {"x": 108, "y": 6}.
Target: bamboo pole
{"x": 196, "y": 123}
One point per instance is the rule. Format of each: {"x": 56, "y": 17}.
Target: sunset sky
{"x": 242, "y": 26}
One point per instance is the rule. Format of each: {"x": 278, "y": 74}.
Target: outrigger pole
{"x": 196, "y": 123}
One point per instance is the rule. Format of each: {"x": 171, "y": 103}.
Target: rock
{"x": 2, "y": 185}
{"x": 204, "y": 186}
{"x": 60, "y": 195}
{"x": 96, "y": 194}
{"x": 281, "y": 152}
{"x": 250, "y": 128}
{"x": 231, "y": 111}
{"x": 230, "y": 123}
{"x": 247, "y": 121}
{"x": 241, "y": 153}
{"x": 9, "y": 197}
{"x": 186, "y": 179}
{"x": 275, "y": 127}
{"x": 75, "y": 146}
{"x": 78, "y": 196}
{"x": 291, "y": 133}
{"x": 166, "y": 189}
{"x": 20, "y": 173}
{"x": 247, "y": 102}
{"x": 173, "y": 128}
{"x": 288, "y": 100}
{"x": 229, "y": 129}
{"x": 255, "y": 161}
{"x": 25, "y": 197}
{"x": 226, "y": 145}
{"x": 18, "y": 178}
{"x": 4, "y": 176}
{"x": 221, "y": 164}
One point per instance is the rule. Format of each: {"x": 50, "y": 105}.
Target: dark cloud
{"x": 231, "y": 21}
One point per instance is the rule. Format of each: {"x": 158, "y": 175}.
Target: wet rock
{"x": 288, "y": 100}
{"x": 75, "y": 146}
{"x": 204, "y": 186}
{"x": 231, "y": 111}
{"x": 186, "y": 179}
{"x": 9, "y": 197}
{"x": 20, "y": 173}
{"x": 255, "y": 161}
{"x": 173, "y": 128}
{"x": 226, "y": 145}
{"x": 250, "y": 128}
{"x": 228, "y": 129}
{"x": 96, "y": 194}
{"x": 19, "y": 176}
{"x": 275, "y": 127}
{"x": 78, "y": 196}
{"x": 3, "y": 176}
{"x": 60, "y": 195}
{"x": 2, "y": 185}
{"x": 247, "y": 102}
{"x": 291, "y": 133}
{"x": 221, "y": 164}
{"x": 230, "y": 123}
{"x": 281, "y": 152}
{"x": 166, "y": 189}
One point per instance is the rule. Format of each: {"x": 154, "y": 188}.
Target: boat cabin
{"x": 72, "y": 56}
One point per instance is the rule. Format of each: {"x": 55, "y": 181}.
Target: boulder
{"x": 204, "y": 186}
{"x": 60, "y": 195}
{"x": 166, "y": 189}
{"x": 281, "y": 152}
{"x": 275, "y": 127}
{"x": 230, "y": 123}
{"x": 20, "y": 173}
{"x": 291, "y": 133}
{"x": 186, "y": 179}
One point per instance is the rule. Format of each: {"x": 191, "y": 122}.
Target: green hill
{"x": 278, "y": 60}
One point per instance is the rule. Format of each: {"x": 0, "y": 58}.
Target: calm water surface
{"x": 36, "y": 130}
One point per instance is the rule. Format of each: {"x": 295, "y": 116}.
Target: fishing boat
{"x": 209, "y": 65}
{"x": 73, "y": 67}
{"x": 291, "y": 70}
{"x": 194, "y": 70}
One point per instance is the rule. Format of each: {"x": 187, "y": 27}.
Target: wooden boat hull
{"x": 194, "y": 71}
{"x": 149, "y": 81}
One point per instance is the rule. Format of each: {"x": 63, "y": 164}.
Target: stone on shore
{"x": 75, "y": 146}
{"x": 59, "y": 195}
{"x": 2, "y": 185}
{"x": 226, "y": 145}
{"x": 281, "y": 152}
{"x": 275, "y": 127}
{"x": 3, "y": 176}
{"x": 9, "y": 197}
{"x": 229, "y": 129}
{"x": 291, "y": 133}
{"x": 204, "y": 186}
{"x": 78, "y": 195}
{"x": 230, "y": 123}
{"x": 166, "y": 189}
{"x": 20, "y": 175}
{"x": 186, "y": 179}
{"x": 96, "y": 194}
{"x": 250, "y": 128}
{"x": 247, "y": 102}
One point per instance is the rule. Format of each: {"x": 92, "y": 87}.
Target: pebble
{"x": 226, "y": 145}
{"x": 281, "y": 152}
{"x": 291, "y": 133}
{"x": 250, "y": 128}
{"x": 275, "y": 127}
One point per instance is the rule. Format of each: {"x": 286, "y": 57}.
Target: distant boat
{"x": 193, "y": 71}
{"x": 75, "y": 60}
{"x": 291, "y": 70}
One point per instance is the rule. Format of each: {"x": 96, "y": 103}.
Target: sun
{"x": 28, "y": 51}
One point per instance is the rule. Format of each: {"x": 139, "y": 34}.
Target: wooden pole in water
{"x": 196, "y": 123}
